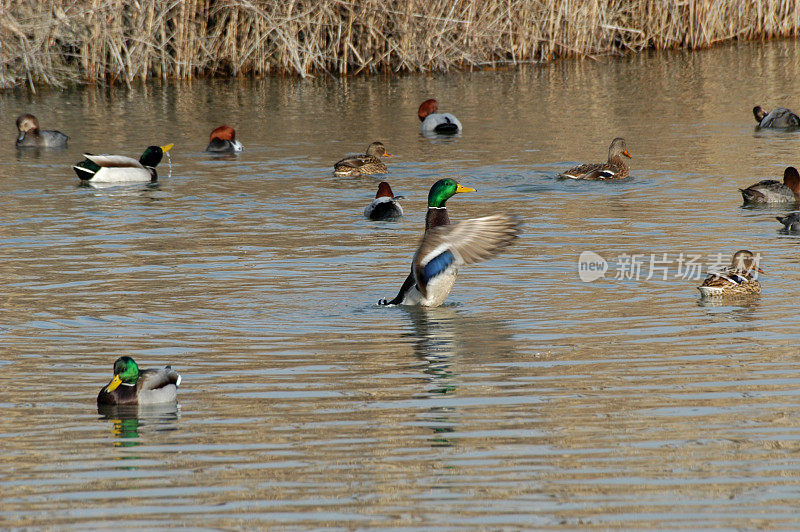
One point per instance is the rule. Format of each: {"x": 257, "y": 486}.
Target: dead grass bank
{"x": 60, "y": 41}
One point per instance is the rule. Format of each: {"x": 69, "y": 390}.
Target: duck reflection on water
{"x": 443, "y": 338}
{"x": 128, "y": 420}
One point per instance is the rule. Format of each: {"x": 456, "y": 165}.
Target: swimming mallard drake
{"x": 30, "y": 136}
{"x": 615, "y": 168}
{"x": 223, "y": 140}
{"x": 364, "y": 164}
{"x": 778, "y": 118}
{"x": 434, "y": 122}
{"x": 739, "y": 279}
{"x": 121, "y": 169}
{"x": 772, "y": 191}
{"x": 133, "y": 387}
{"x": 791, "y": 222}
{"x": 385, "y": 205}
{"x": 445, "y": 247}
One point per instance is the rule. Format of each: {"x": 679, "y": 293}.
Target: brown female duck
{"x": 615, "y": 168}
{"x": 739, "y": 279}
{"x": 365, "y": 164}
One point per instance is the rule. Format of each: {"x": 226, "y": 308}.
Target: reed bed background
{"x": 61, "y": 41}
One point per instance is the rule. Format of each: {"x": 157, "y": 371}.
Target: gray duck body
{"x": 772, "y": 191}
{"x": 778, "y": 118}
{"x": 31, "y": 136}
{"x": 791, "y": 222}
{"x": 154, "y": 386}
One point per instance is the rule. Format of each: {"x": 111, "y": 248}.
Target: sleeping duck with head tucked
{"x": 445, "y": 247}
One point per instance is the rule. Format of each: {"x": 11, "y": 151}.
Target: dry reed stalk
{"x": 61, "y": 41}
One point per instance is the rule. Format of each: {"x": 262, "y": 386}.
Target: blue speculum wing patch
{"x": 438, "y": 264}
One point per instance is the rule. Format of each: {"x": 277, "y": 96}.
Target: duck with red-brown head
{"x": 223, "y": 140}
{"x": 436, "y": 123}
{"x": 772, "y": 191}
{"x": 385, "y": 205}
{"x": 31, "y": 136}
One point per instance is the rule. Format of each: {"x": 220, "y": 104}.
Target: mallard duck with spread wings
{"x": 445, "y": 247}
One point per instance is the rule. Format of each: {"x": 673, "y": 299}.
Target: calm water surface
{"x": 531, "y": 399}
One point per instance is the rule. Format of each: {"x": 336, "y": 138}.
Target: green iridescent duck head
{"x": 443, "y": 190}
{"x": 153, "y": 155}
{"x": 125, "y": 371}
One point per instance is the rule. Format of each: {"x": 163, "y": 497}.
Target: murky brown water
{"x": 531, "y": 400}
